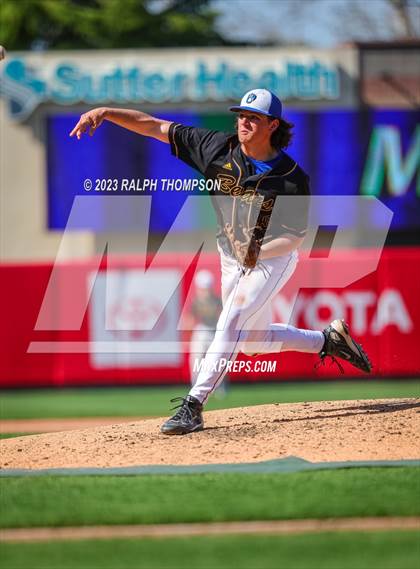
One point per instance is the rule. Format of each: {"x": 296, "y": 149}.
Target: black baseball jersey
{"x": 252, "y": 211}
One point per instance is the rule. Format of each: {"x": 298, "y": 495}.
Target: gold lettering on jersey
{"x": 265, "y": 220}
{"x": 228, "y": 185}
{"x": 237, "y": 191}
{"x": 259, "y": 200}
{"x": 267, "y": 205}
{"x": 248, "y": 197}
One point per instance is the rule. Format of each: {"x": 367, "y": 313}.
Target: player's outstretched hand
{"x": 89, "y": 121}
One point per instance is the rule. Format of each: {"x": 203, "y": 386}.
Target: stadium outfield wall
{"x": 75, "y": 337}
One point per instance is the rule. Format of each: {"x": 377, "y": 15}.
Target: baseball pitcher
{"x": 257, "y": 238}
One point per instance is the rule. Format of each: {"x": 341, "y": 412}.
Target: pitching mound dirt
{"x": 35, "y": 426}
{"x": 318, "y": 432}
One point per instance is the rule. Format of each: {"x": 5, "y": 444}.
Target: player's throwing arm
{"x": 138, "y": 122}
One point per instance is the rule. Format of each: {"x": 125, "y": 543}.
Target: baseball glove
{"x": 245, "y": 252}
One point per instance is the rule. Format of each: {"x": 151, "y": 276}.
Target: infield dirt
{"x": 319, "y": 432}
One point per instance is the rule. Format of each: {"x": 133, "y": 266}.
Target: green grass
{"x": 13, "y": 435}
{"x": 373, "y": 550}
{"x": 148, "y": 402}
{"x": 87, "y": 500}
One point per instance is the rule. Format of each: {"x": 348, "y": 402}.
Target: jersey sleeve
{"x": 195, "y": 146}
{"x": 294, "y": 218}
{"x": 291, "y": 210}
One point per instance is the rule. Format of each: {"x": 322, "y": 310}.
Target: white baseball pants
{"x": 245, "y": 323}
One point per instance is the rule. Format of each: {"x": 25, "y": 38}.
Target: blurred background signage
{"x": 29, "y": 80}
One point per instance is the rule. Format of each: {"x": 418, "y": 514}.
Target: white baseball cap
{"x": 260, "y": 101}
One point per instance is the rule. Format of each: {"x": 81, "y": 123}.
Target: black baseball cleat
{"x": 340, "y": 344}
{"x": 187, "y": 420}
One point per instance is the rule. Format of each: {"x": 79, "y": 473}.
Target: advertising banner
{"x": 175, "y": 76}
{"x": 382, "y": 309}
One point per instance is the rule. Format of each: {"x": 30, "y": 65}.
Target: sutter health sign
{"x": 159, "y": 76}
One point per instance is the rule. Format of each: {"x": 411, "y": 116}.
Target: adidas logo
{"x": 227, "y": 166}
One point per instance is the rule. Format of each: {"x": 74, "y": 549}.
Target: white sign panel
{"x": 123, "y": 305}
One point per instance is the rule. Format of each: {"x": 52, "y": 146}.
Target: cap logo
{"x": 251, "y": 97}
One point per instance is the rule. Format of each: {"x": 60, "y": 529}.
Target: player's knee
{"x": 252, "y": 342}
{"x": 241, "y": 301}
